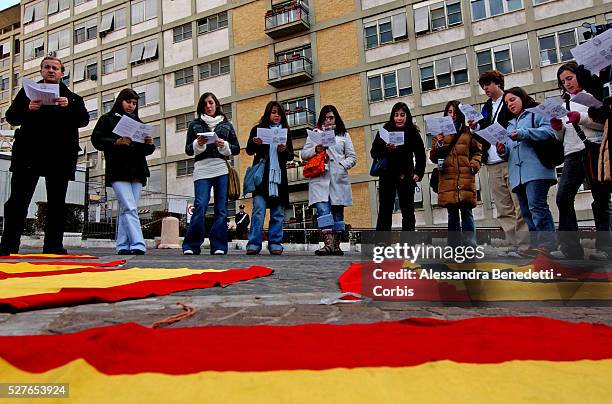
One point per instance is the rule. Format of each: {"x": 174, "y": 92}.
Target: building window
{"x": 215, "y": 68}
{"x": 148, "y": 94}
{"x": 181, "y": 33}
{"x": 107, "y": 103}
{"x": 144, "y": 52}
{"x": 57, "y": 6}
{"x": 183, "y": 76}
{"x": 300, "y": 111}
{"x": 93, "y": 114}
{"x": 85, "y": 31}
{"x": 86, "y": 70}
{"x": 508, "y": 58}
{"x": 34, "y": 48}
{"x": 555, "y": 48}
{"x": 482, "y": 9}
{"x": 79, "y": 2}
{"x": 33, "y": 13}
{"x": 390, "y": 84}
{"x": 183, "y": 121}
{"x": 438, "y": 16}
{"x": 156, "y": 136}
{"x": 227, "y": 111}
{"x": 114, "y": 61}
{"x": 143, "y": 11}
{"x": 113, "y": 21}
{"x": 66, "y": 76}
{"x": 59, "y": 40}
{"x": 184, "y": 167}
{"x": 212, "y": 22}
{"x": 384, "y": 31}
{"x": 444, "y": 72}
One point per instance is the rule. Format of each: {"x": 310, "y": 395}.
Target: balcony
{"x": 295, "y": 171}
{"x": 301, "y": 118}
{"x": 289, "y": 71}
{"x": 289, "y": 20}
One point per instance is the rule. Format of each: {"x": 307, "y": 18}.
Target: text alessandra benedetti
{"x": 474, "y": 274}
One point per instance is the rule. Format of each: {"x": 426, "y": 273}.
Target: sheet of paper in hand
{"x": 586, "y": 99}
{"x": 494, "y": 133}
{"x": 442, "y": 125}
{"x": 325, "y": 138}
{"x": 395, "y": 138}
{"x": 551, "y": 108}
{"x": 45, "y": 92}
{"x": 595, "y": 54}
{"x": 471, "y": 114}
{"x": 272, "y": 136}
{"x": 135, "y": 130}
{"x": 211, "y": 137}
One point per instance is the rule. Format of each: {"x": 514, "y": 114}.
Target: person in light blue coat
{"x": 529, "y": 178}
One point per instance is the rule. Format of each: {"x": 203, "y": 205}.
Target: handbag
{"x": 253, "y": 176}
{"x": 315, "y": 167}
{"x": 379, "y": 167}
{"x": 233, "y": 182}
{"x": 550, "y": 152}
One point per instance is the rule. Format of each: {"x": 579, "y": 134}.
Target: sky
{"x": 7, "y": 3}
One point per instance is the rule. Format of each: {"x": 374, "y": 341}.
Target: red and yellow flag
{"x": 502, "y": 359}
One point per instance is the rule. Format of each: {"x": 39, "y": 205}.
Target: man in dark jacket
{"x": 242, "y": 224}
{"x": 45, "y": 145}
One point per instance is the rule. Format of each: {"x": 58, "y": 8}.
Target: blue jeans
{"x": 534, "y": 207}
{"x": 461, "y": 230}
{"x": 330, "y": 218}
{"x": 275, "y": 226}
{"x": 129, "y": 232}
{"x": 196, "y": 231}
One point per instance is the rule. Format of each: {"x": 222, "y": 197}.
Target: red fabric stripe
{"x": 130, "y": 348}
{"x": 137, "y": 290}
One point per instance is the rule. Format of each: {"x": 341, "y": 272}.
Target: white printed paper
{"x": 47, "y": 93}
{"x": 135, "y": 130}
{"x": 471, "y": 114}
{"x": 325, "y": 138}
{"x": 595, "y": 54}
{"x": 442, "y": 125}
{"x": 551, "y": 108}
{"x": 494, "y": 133}
{"x": 272, "y": 136}
{"x": 211, "y": 137}
{"x": 587, "y": 100}
{"x": 395, "y": 138}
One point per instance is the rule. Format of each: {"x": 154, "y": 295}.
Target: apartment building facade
{"x": 360, "y": 55}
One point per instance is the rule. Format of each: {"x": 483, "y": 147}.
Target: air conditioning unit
{"x": 93, "y": 77}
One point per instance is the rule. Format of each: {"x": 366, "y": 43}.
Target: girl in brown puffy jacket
{"x": 457, "y": 181}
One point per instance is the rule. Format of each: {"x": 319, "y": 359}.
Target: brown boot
{"x": 328, "y": 245}
{"x": 337, "y": 239}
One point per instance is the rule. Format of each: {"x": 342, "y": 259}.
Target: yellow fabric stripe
{"x": 583, "y": 381}
{"x": 20, "y": 267}
{"x": 14, "y": 287}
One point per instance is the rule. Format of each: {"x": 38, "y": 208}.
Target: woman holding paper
{"x": 581, "y": 138}
{"x": 331, "y": 192}
{"x": 402, "y": 174}
{"x": 273, "y": 191}
{"x": 458, "y": 157}
{"x": 126, "y": 169}
{"x": 529, "y": 178}
{"x": 212, "y": 139}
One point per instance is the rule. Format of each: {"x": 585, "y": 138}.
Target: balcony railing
{"x": 295, "y": 171}
{"x": 290, "y": 71}
{"x": 301, "y": 118}
{"x": 289, "y": 20}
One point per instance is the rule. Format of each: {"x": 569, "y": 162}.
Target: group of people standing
{"x": 518, "y": 177}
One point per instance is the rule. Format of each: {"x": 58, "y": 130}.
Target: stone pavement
{"x": 292, "y": 295}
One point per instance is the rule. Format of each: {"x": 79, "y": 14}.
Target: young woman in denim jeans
{"x": 273, "y": 192}
{"x": 529, "y": 178}
{"x": 209, "y": 171}
{"x": 331, "y": 192}
{"x": 126, "y": 169}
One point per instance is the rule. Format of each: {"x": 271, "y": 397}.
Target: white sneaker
{"x": 188, "y": 252}
{"x": 599, "y": 255}
{"x": 219, "y": 252}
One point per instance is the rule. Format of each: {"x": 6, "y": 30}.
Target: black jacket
{"x": 48, "y": 139}
{"x": 224, "y": 130}
{"x": 123, "y": 163}
{"x": 402, "y": 160}
{"x": 262, "y": 152}
{"x": 503, "y": 117}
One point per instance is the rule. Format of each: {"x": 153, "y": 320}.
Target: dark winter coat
{"x": 223, "y": 130}
{"x": 402, "y": 159}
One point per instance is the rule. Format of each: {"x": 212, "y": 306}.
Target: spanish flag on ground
{"x": 478, "y": 360}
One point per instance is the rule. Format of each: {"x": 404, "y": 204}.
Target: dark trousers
{"x": 388, "y": 187}
{"x": 23, "y": 185}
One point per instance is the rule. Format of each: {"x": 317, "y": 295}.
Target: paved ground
{"x": 292, "y": 295}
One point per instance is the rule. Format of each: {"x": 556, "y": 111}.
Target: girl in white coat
{"x": 331, "y": 192}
